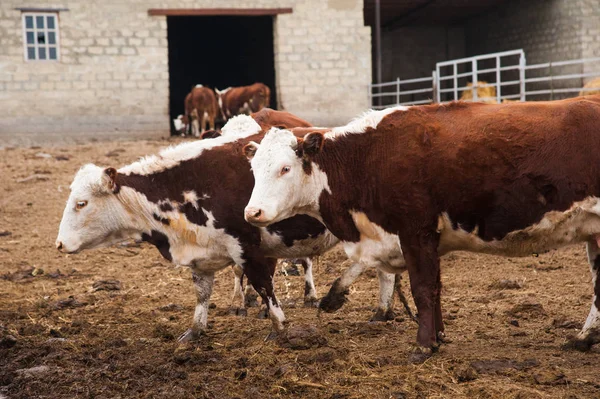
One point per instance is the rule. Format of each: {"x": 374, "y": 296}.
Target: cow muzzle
{"x": 255, "y": 216}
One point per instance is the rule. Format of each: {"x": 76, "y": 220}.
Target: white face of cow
{"x": 282, "y": 187}
{"x": 179, "y": 124}
{"x": 93, "y": 217}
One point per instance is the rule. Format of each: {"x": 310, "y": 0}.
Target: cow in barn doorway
{"x": 243, "y": 100}
{"x": 512, "y": 179}
{"x": 201, "y": 110}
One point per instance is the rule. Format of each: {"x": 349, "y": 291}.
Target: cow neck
{"x": 345, "y": 166}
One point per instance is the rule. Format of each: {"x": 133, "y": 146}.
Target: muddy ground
{"x": 62, "y": 337}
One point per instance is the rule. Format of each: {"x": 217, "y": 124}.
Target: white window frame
{"x": 45, "y": 31}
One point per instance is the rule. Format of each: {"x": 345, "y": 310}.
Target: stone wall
{"x": 113, "y": 79}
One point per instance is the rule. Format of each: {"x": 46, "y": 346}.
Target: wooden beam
{"x": 206, "y": 12}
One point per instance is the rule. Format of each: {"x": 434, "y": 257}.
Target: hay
{"x": 486, "y": 94}
{"x": 589, "y": 85}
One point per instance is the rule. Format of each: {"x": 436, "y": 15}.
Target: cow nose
{"x": 59, "y": 245}
{"x": 253, "y": 214}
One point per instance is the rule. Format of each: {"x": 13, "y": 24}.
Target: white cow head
{"x": 93, "y": 217}
{"x": 287, "y": 182}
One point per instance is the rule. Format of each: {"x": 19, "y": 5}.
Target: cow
{"x": 188, "y": 202}
{"x": 243, "y": 100}
{"x": 509, "y": 179}
{"x": 201, "y": 109}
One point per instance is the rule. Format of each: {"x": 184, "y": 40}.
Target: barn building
{"x": 81, "y": 70}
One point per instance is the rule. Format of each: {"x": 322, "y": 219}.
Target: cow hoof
{"x": 578, "y": 344}
{"x": 420, "y": 354}
{"x": 311, "y": 302}
{"x": 333, "y": 301}
{"x": 263, "y": 314}
{"x": 241, "y": 312}
{"x": 442, "y": 338}
{"x": 251, "y": 301}
{"x": 381, "y": 315}
{"x": 190, "y": 336}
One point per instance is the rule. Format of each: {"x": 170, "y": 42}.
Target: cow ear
{"x": 109, "y": 179}
{"x": 312, "y": 143}
{"x": 250, "y": 149}
{"x": 210, "y": 134}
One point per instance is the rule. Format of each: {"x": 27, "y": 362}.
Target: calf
{"x": 201, "y": 109}
{"x": 511, "y": 179}
{"x": 243, "y": 100}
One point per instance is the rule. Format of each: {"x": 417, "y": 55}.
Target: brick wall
{"x": 112, "y": 79}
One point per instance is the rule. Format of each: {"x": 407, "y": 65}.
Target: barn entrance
{"x": 218, "y": 52}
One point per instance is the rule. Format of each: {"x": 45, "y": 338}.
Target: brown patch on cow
{"x": 166, "y": 207}
{"x": 160, "y": 241}
{"x": 196, "y": 216}
{"x": 257, "y": 96}
{"x": 268, "y": 118}
{"x": 596, "y": 269}
{"x": 199, "y": 101}
{"x": 161, "y": 219}
{"x": 210, "y": 134}
{"x": 296, "y": 228}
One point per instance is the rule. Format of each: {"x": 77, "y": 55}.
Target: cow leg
{"x": 211, "y": 121}
{"x": 423, "y": 263}
{"x": 203, "y": 283}
{"x": 196, "y": 127}
{"x": 238, "y": 301}
{"x": 204, "y": 122}
{"x": 336, "y": 297}
{"x": 310, "y": 292}
{"x": 251, "y": 296}
{"x": 385, "y": 311}
{"x": 590, "y": 333}
{"x": 260, "y": 274}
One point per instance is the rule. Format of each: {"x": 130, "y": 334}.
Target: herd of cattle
{"x": 398, "y": 188}
{"x": 203, "y": 106}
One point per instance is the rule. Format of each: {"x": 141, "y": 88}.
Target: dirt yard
{"x": 64, "y": 334}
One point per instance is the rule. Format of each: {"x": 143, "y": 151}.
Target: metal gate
{"x": 504, "y": 72}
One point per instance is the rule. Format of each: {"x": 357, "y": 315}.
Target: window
{"x": 40, "y": 36}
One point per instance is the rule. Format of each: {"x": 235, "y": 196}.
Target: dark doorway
{"x": 219, "y": 51}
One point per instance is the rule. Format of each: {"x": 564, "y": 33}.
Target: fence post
{"x": 434, "y": 86}
{"x": 522, "y": 64}
{"x": 551, "y": 81}
{"x": 474, "y": 82}
{"x": 397, "y": 91}
{"x": 498, "y": 79}
{"x": 369, "y": 94}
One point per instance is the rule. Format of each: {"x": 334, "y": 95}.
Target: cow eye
{"x": 285, "y": 169}
{"x": 80, "y": 204}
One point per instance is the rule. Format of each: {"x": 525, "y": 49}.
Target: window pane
{"x": 29, "y": 22}
{"x": 30, "y": 38}
{"x": 41, "y": 53}
{"x": 52, "y": 53}
{"x": 41, "y": 37}
{"x": 51, "y": 37}
{"x": 39, "y": 22}
{"x": 31, "y": 53}
{"x": 50, "y": 21}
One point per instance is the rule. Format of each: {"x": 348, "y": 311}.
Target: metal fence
{"x": 495, "y": 78}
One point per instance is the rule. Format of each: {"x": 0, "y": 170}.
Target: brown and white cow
{"x": 243, "y": 100}
{"x": 188, "y": 201}
{"x": 201, "y": 110}
{"x": 511, "y": 179}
